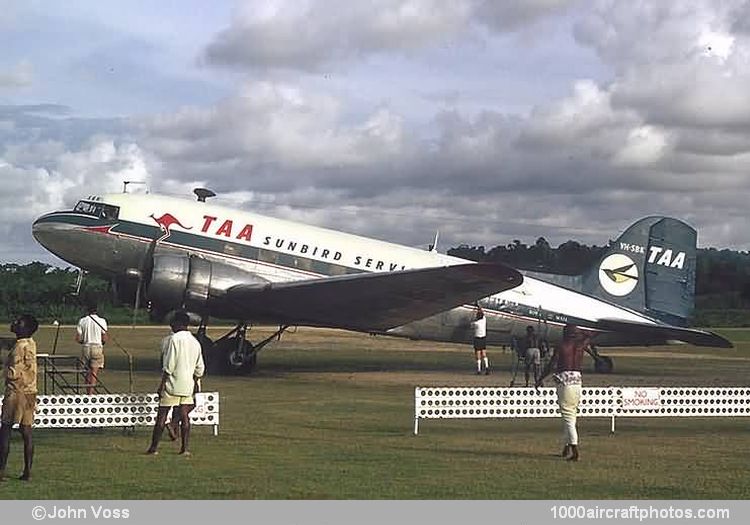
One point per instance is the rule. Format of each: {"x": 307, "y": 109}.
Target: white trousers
{"x": 568, "y": 397}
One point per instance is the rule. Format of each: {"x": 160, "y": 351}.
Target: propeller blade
{"x": 137, "y": 302}
{"x": 145, "y": 269}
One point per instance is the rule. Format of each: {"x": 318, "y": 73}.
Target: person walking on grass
{"x": 566, "y": 361}
{"x": 182, "y": 366}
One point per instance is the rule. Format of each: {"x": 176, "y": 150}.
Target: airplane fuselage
{"x": 110, "y": 236}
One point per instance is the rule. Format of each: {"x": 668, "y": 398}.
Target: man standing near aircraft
{"x": 182, "y": 366}
{"x": 532, "y": 355}
{"x": 91, "y": 333}
{"x": 19, "y": 401}
{"x": 480, "y": 341}
{"x": 566, "y": 360}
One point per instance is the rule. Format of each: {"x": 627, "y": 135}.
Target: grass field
{"x": 329, "y": 415}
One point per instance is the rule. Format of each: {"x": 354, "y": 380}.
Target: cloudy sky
{"x": 488, "y": 121}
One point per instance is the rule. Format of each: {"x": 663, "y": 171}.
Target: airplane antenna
{"x": 203, "y": 194}
{"x": 433, "y": 246}
{"x": 127, "y": 182}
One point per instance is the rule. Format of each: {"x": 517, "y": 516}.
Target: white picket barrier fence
{"x": 611, "y": 401}
{"x": 116, "y": 410}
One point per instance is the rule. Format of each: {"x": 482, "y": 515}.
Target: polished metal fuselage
{"x": 121, "y": 248}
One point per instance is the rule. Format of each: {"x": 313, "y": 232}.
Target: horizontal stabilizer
{"x": 651, "y": 332}
{"x": 371, "y": 301}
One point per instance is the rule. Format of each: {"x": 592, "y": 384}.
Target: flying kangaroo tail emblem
{"x": 620, "y": 275}
{"x": 166, "y": 222}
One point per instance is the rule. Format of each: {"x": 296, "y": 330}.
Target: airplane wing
{"x": 666, "y": 333}
{"x": 371, "y": 301}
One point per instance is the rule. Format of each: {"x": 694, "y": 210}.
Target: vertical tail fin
{"x": 649, "y": 268}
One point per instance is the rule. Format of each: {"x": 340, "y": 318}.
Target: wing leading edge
{"x": 372, "y": 301}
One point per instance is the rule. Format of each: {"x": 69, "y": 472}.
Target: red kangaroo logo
{"x": 166, "y": 221}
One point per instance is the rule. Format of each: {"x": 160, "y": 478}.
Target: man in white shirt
{"x": 182, "y": 366}
{"x": 91, "y": 333}
{"x": 480, "y": 341}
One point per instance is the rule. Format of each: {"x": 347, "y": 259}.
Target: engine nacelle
{"x": 194, "y": 283}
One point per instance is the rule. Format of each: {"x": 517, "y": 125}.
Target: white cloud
{"x": 586, "y": 117}
{"x": 651, "y": 31}
{"x": 42, "y": 177}
{"x": 314, "y": 34}
{"x": 310, "y": 34}
{"x": 20, "y": 75}
{"x": 645, "y": 146}
{"x": 715, "y": 44}
{"x": 272, "y": 125}
{"x": 662, "y": 126}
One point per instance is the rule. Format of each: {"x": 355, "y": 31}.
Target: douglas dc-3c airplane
{"x": 220, "y": 262}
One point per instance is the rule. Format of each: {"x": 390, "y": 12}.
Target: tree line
{"x": 722, "y": 282}
{"x": 50, "y": 293}
{"x": 722, "y": 277}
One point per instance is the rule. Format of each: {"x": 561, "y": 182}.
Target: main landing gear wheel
{"x": 237, "y": 355}
{"x": 233, "y": 353}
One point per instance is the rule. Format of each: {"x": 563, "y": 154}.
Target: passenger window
{"x": 303, "y": 263}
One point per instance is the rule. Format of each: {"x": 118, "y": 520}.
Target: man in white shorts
{"x": 91, "y": 333}
{"x": 182, "y": 366}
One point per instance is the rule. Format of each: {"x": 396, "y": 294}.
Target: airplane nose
{"x": 55, "y": 235}
{"x": 37, "y": 231}
{"x": 41, "y": 230}
{"x": 85, "y": 243}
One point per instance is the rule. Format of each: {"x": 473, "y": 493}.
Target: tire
{"x": 236, "y": 359}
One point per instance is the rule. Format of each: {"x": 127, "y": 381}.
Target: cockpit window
{"x": 110, "y": 212}
{"x": 97, "y": 209}
{"x": 89, "y": 208}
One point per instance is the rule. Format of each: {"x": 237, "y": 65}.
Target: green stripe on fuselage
{"x": 228, "y": 248}
{"x": 75, "y": 220}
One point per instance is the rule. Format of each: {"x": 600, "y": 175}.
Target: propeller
{"x": 144, "y": 270}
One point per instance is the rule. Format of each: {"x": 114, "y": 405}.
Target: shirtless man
{"x": 566, "y": 361}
